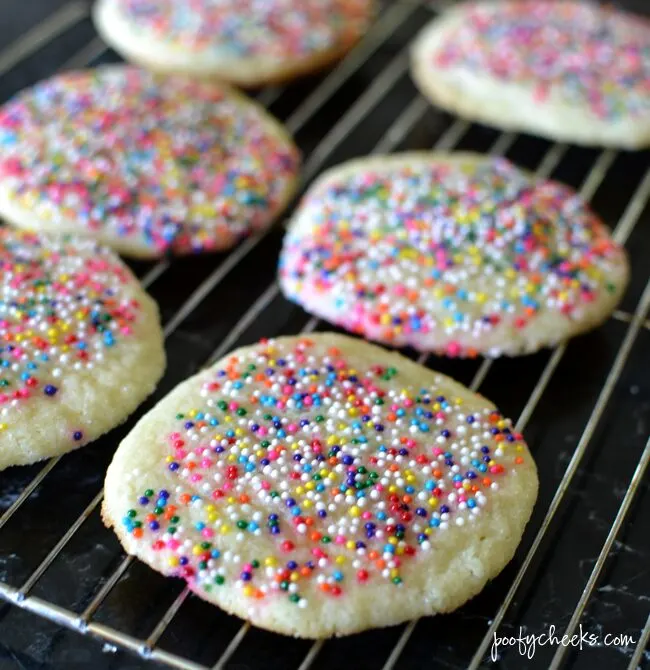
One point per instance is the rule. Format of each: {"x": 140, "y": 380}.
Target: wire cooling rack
{"x": 584, "y": 562}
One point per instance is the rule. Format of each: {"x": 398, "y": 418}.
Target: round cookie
{"x": 457, "y": 254}
{"x": 143, "y": 163}
{"x": 321, "y": 486}
{"x": 80, "y": 344}
{"x": 241, "y": 41}
{"x": 572, "y": 71}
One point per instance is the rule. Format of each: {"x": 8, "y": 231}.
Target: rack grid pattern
{"x": 353, "y": 130}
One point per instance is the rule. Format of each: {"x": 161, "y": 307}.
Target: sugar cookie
{"x": 245, "y": 42}
{"x": 80, "y": 344}
{"x": 457, "y": 254}
{"x": 143, "y": 163}
{"x": 321, "y": 486}
{"x": 571, "y": 71}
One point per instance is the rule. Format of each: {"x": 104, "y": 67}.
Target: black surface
{"x": 551, "y": 588}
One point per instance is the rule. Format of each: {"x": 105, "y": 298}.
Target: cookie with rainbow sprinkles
{"x": 568, "y": 70}
{"x": 146, "y": 164}
{"x": 457, "y": 254}
{"x": 246, "y": 42}
{"x": 321, "y": 485}
{"x": 80, "y": 344}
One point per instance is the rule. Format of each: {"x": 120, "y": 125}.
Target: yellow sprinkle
{"x": 340, "y": 560}
{"x": 270, "y": 561}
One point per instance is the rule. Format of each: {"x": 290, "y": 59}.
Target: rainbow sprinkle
{"x": 169, "y": 164}
{"x": 246, "y": 28}
{"x": 61, "y": 311}
{"x": 440, "y": 256}
{"x": 588, "y": 54}
{"x": 348, "y": 473}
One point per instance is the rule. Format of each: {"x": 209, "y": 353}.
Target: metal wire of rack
{"x": 353, "y": 129}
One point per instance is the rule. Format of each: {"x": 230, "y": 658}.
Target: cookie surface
{"x": 80, "y": 344}
{"x": 244, "y": 42}
{"x": 572, "y": 71}
{"x": 321, "y": 486}
{"x": 457, "y": 254}
{"x": 145, "y": 164}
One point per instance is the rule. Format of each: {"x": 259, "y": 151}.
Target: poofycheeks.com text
{"x": 527, "y": 643}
